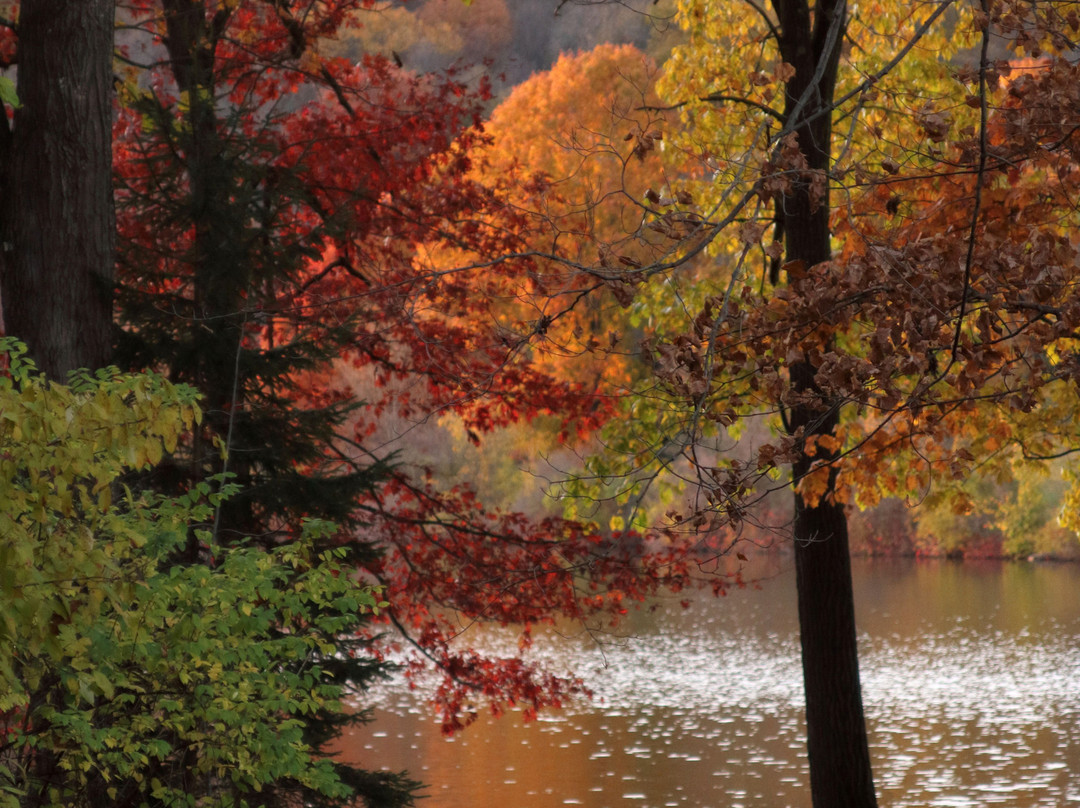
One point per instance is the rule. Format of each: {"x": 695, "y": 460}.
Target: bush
{"x": 126, "y": 679}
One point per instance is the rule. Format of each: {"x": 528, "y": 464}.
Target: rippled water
{"x": 971, "y": 678}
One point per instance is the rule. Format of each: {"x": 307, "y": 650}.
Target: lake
{"x": 971, "y": 678}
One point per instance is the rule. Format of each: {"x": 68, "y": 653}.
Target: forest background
{"x": 1012, "y": 511}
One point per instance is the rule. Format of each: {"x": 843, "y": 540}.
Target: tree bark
{"x": 57, "y": 226}
{"x": 837, "y": 746}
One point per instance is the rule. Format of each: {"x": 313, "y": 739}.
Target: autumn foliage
{"x": 941, "y": 323}
{"x": 322, "y": 245}
{"x": 286, "y": 215}
{"x": 894, "y": 289}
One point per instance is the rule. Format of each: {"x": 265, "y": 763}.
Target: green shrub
{"x": 126, "y": 679}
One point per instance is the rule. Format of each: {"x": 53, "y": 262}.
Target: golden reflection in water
{"x": 588, "y": 760}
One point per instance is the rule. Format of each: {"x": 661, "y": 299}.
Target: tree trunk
{"x": 57, "y": 230}
{"x": 840, "y": 771}
{"x": 220, "y": 260}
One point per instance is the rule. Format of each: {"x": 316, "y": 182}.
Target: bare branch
{"x": 980, "y": 179}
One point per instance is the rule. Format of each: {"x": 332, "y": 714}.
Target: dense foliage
{"x": 272, "y": 251}
{"x": 896, "y": 289}
{"x": 126, "y": 678}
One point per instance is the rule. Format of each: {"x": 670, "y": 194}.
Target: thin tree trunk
{"x": 57, "y": 227}
{"x": 840, "y": 770}
{"x": 221, "y": 255}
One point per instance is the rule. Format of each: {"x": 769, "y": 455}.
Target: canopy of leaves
{"x": 287, "y": 222}
{"x": 942, "y": 330}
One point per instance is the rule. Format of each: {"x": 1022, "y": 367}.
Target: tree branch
{"x": 980, "y": 180}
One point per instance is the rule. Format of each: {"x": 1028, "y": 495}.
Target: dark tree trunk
{"x": 840, "y": 771}
{"x": 221, "y": 258}
{"x": 57, "y": 231}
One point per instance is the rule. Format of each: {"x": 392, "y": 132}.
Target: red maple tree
{"x": 279, "y": 213}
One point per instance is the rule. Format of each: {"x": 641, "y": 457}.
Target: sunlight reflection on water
{"x": 969, "y": 704}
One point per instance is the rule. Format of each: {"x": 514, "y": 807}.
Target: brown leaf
{"x": 784, "y": 72}
{"x": 936, "y": 125}
{"x": 751, "y": 232}
{"x": 622, "y": 291}
{"x": 795, "y": 270}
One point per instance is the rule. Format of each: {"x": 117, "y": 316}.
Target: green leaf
{"x": 7, "y": 92}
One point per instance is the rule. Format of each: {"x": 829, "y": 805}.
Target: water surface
{"x": 971, "y": 678}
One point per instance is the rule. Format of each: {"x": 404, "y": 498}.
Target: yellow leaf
{"x": 814, "y": 486}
